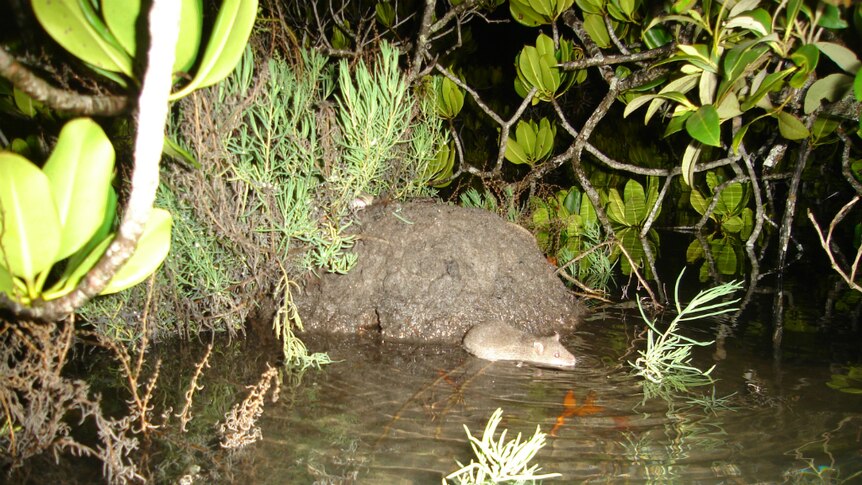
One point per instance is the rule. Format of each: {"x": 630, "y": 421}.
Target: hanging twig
{"x": 848, "y": 276}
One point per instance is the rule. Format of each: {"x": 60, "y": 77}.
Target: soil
{"x": 428, "y": 272}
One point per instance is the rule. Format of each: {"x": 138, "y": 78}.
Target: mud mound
{"x": 429, "y": 272}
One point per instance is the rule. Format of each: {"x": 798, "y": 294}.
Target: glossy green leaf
{"x": 596, "y": 29}
{"x": 31, "y": 229}
{"x": 450, "y": 99}
{"x": 7, "y": 285}
{"x": 121, "y": 17}
{"x": 74, "y": 274}
{"x": 81, "y": 262}
{"x": 66, "y": 22}
{"x": 524, "y": 14}
{"x": 791, "y": 11}
{"x": 591, "y": 6}
{"x": 152, "y": 248}
{"x": 704, "y": 127}
{"x": 80, "y": 170}
{"x": 440, "y": 167}
{"x": 515, "y": 153}
{"x": 790, "y": 127}
{"x": 737, "y": 60}
{"x": 226, "y": 43}
{"x": 656, "y": 37}
{"x": 545, "y": 138}
{"x": 857, "y": 85}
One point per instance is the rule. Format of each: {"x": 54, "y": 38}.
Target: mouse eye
{"x": 557, "y": 355}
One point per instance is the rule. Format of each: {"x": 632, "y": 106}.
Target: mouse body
{"x": 498, "y": 341}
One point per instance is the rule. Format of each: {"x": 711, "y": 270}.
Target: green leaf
{"x": 616, "y": 208}
{"x": 771, "y": 82}
{"x": 725, "y": 257}
{"x": 831, "y": 18}
{"x": 80, "y": 170}
{"x": 450, "y": 99}
{"x": 732, "y": 225}
{"x": 831, "y": 88}
{"x": 227, "y": 41}
{"x": 121, "y": 17}
{"x": 689, "y": 161}
{"x": 74, "y": 274}
{"x": 27, "y": 105}
{"x": 704, "y": 127}
{"x": 840, "y": 55}
{"x": 857, "y": 85}
{"x": 440, "y": 168}
{"x": 385, "y": 13}
{"x": 729, "y": 200}
{"x": 694, "y": 251}
{"x": 758, "y": 21}
{"x": 515, "y": 153}
{"x": 7, "y": 285}
{"x": 524, "y": 14}
{"x": 747, "y": 224}
{"x": 66, "y": 22}
{"x": 81, "y": 262}
{"x": 791, "y": 127}
{"x": 152, "y": 248}
{"x": 698, "y": 201}
{"x": 632, "y": 243}
{"x": 31, "y": 229}
{"x": 635, "y": 203}
{"x": 656, "y": 37}
{"x": 176, "y": 151}
{"x": 598, "y": 32}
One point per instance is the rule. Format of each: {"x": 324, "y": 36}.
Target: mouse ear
{"x": 538, "y": 347}
{"x": 557, "y": 336}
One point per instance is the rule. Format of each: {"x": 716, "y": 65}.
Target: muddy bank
{"x": 429, "y": 272}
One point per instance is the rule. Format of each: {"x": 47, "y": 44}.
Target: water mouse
{"x": 498, "y": 341}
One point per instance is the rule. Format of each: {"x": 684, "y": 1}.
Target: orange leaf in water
{"x": 571, "y": 408}
{"x": 589, "y": 406}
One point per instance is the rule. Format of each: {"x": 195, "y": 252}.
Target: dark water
{"x": 395, "y": 413}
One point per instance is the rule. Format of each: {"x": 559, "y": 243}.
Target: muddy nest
{"x": 429, "y": 272}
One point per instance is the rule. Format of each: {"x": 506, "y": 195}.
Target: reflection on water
{"x": 392, "y": 413}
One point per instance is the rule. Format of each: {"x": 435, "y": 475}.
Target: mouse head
{"x": 549, "y": 351}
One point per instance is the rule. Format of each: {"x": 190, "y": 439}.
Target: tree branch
{"x": 61, "y": 100}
